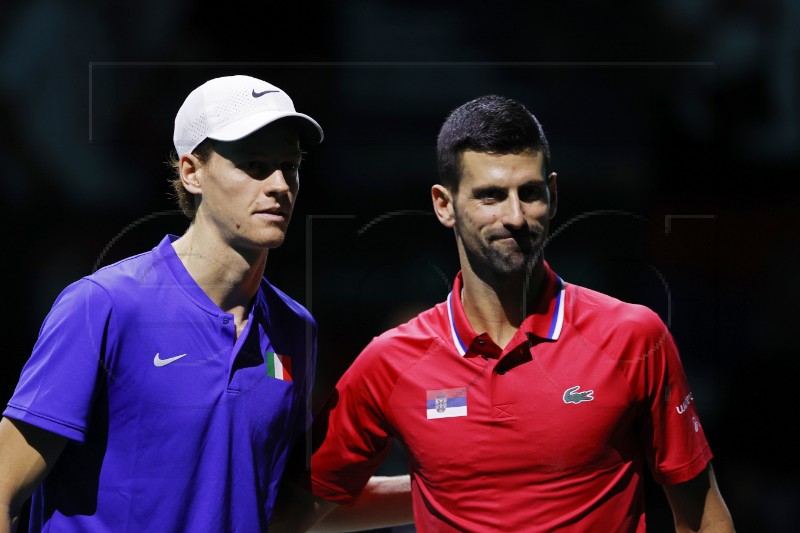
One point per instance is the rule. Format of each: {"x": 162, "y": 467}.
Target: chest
{"x": 546, "y": 410}
{"x": 177, "y": 367}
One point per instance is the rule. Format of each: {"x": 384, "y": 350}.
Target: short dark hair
{"x": 489, "y": 124}
{"x": 187, "y": 201}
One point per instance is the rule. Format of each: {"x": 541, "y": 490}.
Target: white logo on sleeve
{"x": 163, "y": 362}
{"x": 685, "y": 405}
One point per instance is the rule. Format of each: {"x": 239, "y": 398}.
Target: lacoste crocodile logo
{"x": 572, "y": 395}
{"x": 262, "y": 93}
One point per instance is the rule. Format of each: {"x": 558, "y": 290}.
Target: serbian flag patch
{"x": 447, "y": 403}
{"x": 279, "y": 366}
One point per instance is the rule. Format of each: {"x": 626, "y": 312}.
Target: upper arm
{"x": 697, "y": 504}
{"x": 351, "y": 433}
{"x": 26, "y": 455}
{"x": 69, "y": 360}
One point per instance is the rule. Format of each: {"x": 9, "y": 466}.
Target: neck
{"x": 499, "y": 304}
{"x": 229, "y": 277}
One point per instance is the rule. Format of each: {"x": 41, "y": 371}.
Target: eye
{"x": 490, "y": 195}
{"x": 260, "y": 169}
{"x": 290, "y": 167}
{"x": 531, "y": 193}
{"x": 256, "y": 169}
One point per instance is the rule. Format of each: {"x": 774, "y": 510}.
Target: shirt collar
{"x": 186, "y": 282}
{"x": 546, "y": 322}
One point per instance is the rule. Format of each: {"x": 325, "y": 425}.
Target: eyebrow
{"x": 497, "y": 189}
{"x": 487, "y": 189}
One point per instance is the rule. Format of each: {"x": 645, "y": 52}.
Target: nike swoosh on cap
{"x": 157, "y": 361}
{"x": 256, "y": 95}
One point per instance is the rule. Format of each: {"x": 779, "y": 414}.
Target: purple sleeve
{"x": 59, "y": 382}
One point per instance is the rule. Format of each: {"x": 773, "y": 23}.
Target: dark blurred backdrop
{"x": 674, "y": 128}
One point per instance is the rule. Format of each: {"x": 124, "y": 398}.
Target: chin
{"x": 275, "y": 243}
{"x": 509, "y": 270}
{"x": 269, "y": 241}
{"x": 509, "y": 266}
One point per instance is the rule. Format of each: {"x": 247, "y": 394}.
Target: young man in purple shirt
{"x": 164, "y": 391}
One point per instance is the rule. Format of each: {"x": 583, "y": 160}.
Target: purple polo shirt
{"x": 176, "y": 425}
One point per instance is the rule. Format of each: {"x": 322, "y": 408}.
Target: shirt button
{"x": 226, "y": 320}
{"x": 481, "y": 342}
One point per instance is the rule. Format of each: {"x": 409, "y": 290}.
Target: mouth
{"x": 507, "y": 241}
{"x": 526, "y": 242}
{"x": 274, "y": 215}
{"x": 522, "y": 236}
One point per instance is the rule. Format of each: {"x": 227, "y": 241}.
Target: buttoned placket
{"x": 500, "y": 396}
{"x": 237, "y": 344}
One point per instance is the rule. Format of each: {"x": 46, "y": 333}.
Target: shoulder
{"x": 602, "y": 314}
{"x": 282, "y": 305}
{"x": 416, "y": 332}
{"x": 129, "y": 274}
{"x": 112, "y": 282}
{"x": 375, "y": 372}
{"x": 405, "y": 344}
{"x": 630, "y": 336}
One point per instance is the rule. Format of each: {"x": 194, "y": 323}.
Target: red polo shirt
{"x": 554, "y": 431}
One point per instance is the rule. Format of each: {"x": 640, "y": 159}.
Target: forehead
{"x": 273, "y": 139}
{"x": 486, "y": 168}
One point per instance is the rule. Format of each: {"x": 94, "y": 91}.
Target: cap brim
{"x": 307, "y": 128}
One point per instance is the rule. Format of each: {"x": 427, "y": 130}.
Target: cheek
{"x": 292, "y": 196}
{"x": 470, "y": 226}
{"x": 539, "y": 211}
{"x": 483, "y": 218}
{"x": 230, "y": 190}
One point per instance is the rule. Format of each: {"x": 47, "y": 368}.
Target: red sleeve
{"x": 673, "y": 437}
{"x": 352, "y": 430}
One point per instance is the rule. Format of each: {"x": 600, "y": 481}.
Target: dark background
{"x": 674, "y": 128}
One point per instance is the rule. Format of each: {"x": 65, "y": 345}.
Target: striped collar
{"x": 546, "y": 322}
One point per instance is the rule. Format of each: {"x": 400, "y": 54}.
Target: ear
{"x": 552, "y": 186}
{"x": 190, "y": 168}
{"x": 443, "y": 205}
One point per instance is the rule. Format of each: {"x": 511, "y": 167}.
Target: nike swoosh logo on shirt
{"x": 162, "y": 362}
{"x": 256, "y": 95}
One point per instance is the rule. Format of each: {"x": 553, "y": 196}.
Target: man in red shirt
{"x": 525, "y": 403}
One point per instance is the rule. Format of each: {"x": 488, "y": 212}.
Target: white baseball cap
{"x": 232, "y": 107}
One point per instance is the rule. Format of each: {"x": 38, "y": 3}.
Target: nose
{"x": 276, "y": 183}
{"x": 513, "y": 216}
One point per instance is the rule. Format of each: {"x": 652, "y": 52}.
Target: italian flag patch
{"x": 279, "y": 366}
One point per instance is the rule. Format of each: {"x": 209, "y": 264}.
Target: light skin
{"x": 247, "y": 192}
{"x": 27, "y": 453}
{"x": 384, "y": 502}
{"x": 501, "y": 213}
{"x": 248, "y": 189}
{"x": 697, "y": 505}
